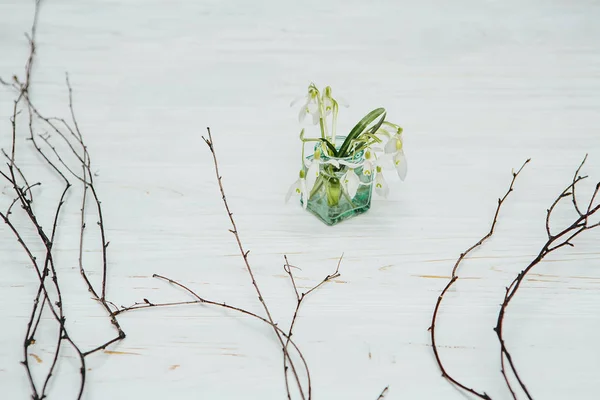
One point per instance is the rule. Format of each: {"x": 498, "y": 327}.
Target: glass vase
{"x": 329, "y": 200}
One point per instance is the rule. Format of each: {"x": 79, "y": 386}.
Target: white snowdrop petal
{"x": 367, "y": 167}
{"x": 342, "y": 102}
{"x": 302, "y": 114}
{"x": 304, "y": 192}
{"x": 315, "y": 118}
{"x": 293, "y": 189}
{"x": 381, "y": 186}
{"x": 351, "y": 181}
{"x": 311, "y": 175}
{"x": 401, "y": 164}
{"x": 386, "y": 161}
{"x": 390, "y": 146}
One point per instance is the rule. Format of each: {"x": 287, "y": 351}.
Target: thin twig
{"x": 210, "y": 143}
{"x": 554, "y": 242}
{"x": 200, "y": 300}
{"x": 88, "y": 184}
{"x": 573, "y": 196}
{"x": 24, "y": 196}
{"x": 383, "y": 393}
{"x": 451, "y": 282}
{"x": 299, "y": 298}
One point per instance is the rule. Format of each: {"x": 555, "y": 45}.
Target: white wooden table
{"x": 478, "y": 86}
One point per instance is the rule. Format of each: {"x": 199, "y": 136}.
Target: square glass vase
{"x": 329, "y": 200}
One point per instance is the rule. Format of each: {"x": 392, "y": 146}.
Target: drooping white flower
{"x": 394, "y": 144}
{"x": 313, "y": 169}
{"x": 350, "y": 182}
{"x": 393, "y": 149}
{"x": 309, "y": 97}
{"x": 299, "y": 187}
{"x": 309, "y": 109}
{"x": 310, "y": 106}
{"x": 368, "y": 164}
{"x": 381, "y": 186}
{"x": 342, "y": 102}
{"x": 401, "y": 164}
{"x": 329, "y": 102}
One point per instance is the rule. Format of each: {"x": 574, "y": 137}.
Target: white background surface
{"x": 479, "y": 86}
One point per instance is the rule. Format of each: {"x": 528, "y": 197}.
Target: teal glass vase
{"x": 329, "y": 200}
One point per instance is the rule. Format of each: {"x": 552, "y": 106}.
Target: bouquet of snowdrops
{"x": 342, "y": 168}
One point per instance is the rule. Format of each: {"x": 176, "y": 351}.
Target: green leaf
{"x": 372, "y": 136}
{"x": 330, "y": 147}
{"x": 378, "y": 125}
{"x": 360, "y": 127}
{"x": 363, "y": 146}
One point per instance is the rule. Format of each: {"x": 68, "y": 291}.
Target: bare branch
{"x": 554, "y": 242}
{"x": 451, "y": 282}
{"x": 383, "y": 393}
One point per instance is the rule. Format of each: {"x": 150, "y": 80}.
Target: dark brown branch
{"x": 554, "y": 242}
{"x": 47, "y": 141}
{"x": 48, "y": 243}
{"x": 566, "y": 193}
{"x": 201, "y": 300}
{"x": 575, "y": 177}
{"x": 86, "y": 163}
{"x": 32, "y": 47}
{"x": 24, "y": 197}
{"x": 383, "y": 393}
{"x": 24, "y": 191}
{"x": 210, "y": 143}
{"x": 451, "y": 282}
{"x": 592, "y": 200}
{"x": 21, "y": 175}
{"x": 87, "y": 183}
{"x": 299, "y": 298}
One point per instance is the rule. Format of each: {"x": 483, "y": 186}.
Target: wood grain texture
{"x": 479, "y": 86}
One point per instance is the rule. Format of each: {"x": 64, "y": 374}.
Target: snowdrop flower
{"x": 401, "y": 165}
{"x": 394, "y": 149}
{"x": 381, "y": 186}
{"x": 299, "y": 187}
{"x": 310, "y": 107}
{"x": 313, "y": 169}
{"x": 394, "y": 144}
{"x": 350, "y": 182}
{"x": 329, "y": 101}
{"x": 368, "y": 164}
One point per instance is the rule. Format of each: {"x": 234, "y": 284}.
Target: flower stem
{"x": 317, "y": 186}
{"x": 396, "y": 127}
{"x": 322, "y": 122}
{"x": 334, "y": 121}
